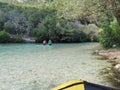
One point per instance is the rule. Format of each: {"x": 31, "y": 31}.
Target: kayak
{"x": 81, "y": 85}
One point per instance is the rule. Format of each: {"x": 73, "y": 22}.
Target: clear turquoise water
{"x": 38, "y": 67}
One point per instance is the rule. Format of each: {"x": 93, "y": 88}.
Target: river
{"x": 38, "y": 67}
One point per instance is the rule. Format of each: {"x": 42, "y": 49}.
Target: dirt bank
{"x": 110, "y": 55}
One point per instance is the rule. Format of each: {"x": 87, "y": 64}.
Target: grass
{"x": 112, "y": 75}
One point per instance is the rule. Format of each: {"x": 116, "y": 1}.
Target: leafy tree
{"x": 2, "y": 19}
{"x": 9, "y": 27}
{"x": 40, "y": 34}
{"x": 18, "y": 20}
{"x": 110, "y": 35}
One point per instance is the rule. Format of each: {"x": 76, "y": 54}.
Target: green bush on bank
{"x": 67, "y": 37}
{"x": 9, "y": 27}
{"x": 40, "y": 34}
{"x": 4, "y": 37}
{"x": 16, "y": 39}
{"x": 110, "y": 34}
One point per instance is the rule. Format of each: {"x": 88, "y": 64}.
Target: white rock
{"x": 20, "y": 1}
{"x": 114, "y": 45}
{"x": 117, "y": 67}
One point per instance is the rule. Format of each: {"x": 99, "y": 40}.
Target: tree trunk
{"x": 118, "y": 17}
{"x": 116, "y": 10}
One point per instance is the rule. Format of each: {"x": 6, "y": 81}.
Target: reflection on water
{"x": 38, "y": 67}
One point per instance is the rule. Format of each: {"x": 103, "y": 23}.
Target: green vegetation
{"x": 44, "y": 21}
{"x": 62, "y": 20}
{"x": 112, "y": 75}
{"x": 4, "y": 37}
{"x": 110, "y": 35}
{"x": 16, "y": 39}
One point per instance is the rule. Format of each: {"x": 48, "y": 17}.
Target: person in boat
{"x": 44, "y": 42}
{"x": 50, "y": 42}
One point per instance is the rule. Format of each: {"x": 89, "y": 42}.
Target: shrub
{"x": 83, "y": 37}
{"x": 9, "y": 27}
{"x": 16, "y": 39}
{"x": 40, "y": 34}
{"x": 94, "y": 38}
{"x": 73, "y": 35}
{"x": 4, "y": 37}
{"x": 110, "y": 35}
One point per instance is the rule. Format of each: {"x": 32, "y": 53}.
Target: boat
{"x": 81, "y": 85}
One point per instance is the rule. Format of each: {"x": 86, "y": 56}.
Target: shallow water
{"x": 38, "y": 67}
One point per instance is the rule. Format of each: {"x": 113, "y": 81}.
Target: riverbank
{"x": 112, "y": 56}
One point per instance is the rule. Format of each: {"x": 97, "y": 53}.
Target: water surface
{"x": 38, "y": 67}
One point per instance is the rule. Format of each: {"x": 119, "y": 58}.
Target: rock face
{"x": 28, "y": 40}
